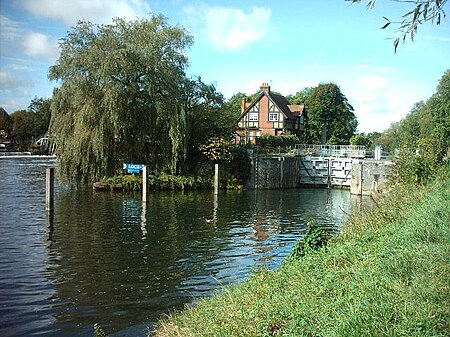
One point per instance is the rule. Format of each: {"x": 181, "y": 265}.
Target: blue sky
{"x": 240, "y": 44}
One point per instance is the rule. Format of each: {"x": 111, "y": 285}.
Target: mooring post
{"x": 216, "y": 178}
{"x": 49, "y": 188}
{"x": 144, "y": 183}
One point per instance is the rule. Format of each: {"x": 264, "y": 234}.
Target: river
{"x": 107, "y": 258}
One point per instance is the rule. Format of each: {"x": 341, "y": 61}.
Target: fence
{"x": 350, "y": 151}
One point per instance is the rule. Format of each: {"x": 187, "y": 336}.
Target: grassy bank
{"x": 388, "y": 274}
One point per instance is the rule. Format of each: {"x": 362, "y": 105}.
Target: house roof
{"x": 289, "y": 110}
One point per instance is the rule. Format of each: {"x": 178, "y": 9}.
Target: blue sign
{"x": 133, "y": 168}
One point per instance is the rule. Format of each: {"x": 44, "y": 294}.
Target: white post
{"x": 216, "y": 178}
{"x": 144, "y": 183}
{"x": 49, "y": 188}
{"x": 377, "y": 152}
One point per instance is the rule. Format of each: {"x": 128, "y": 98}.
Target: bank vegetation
{"x": 387, "y": 274}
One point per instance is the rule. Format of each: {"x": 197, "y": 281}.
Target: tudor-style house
{"x": 270, "y": 114}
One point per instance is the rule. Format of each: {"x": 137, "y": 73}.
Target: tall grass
{"x": 388, "y": 274}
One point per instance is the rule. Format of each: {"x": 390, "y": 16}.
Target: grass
{"x": 388, "y": 274}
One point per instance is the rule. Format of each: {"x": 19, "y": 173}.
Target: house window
{"x": 273, "y": 117}
{"x": 253, "y": 116}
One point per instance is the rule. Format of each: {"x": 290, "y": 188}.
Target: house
{"x": 269, "y": 114}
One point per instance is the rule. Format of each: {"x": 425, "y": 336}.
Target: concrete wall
{"x": 369, "y": 175}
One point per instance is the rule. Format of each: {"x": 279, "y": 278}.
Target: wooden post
{"x": 144, "y": 183}
{"x": 49, "y": 188}
{"x": 216, "y": 178}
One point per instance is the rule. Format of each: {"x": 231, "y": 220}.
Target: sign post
{"x": 144, "y": 183}
{"x": 49, "y": 188}
{"x": 136, "y": 168}
{"x": 216, "y": 179}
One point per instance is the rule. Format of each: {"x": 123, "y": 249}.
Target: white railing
{"x": 350, "y": 151}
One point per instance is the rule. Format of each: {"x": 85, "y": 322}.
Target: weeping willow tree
{"x": 119, "y": 97}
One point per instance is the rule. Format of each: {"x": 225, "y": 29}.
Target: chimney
{"x": 265, "y": 87}
{"x": 242, "y": 104}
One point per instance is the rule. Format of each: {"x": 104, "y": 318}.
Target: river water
{"x": 106, "y": 258}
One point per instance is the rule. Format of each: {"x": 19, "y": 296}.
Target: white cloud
{"x": 232, "y": 28}
{"x": 9, "y": 29}
{"x": 381, "y": 100}
{"x": 37, "y": 44}
{"x": 96, "y": 11}
{"x": 9, "y": 83}
{"x": 372, "y": 82}
{"x": 11, "y": 106}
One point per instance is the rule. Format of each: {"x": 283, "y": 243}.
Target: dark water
{"x": 106, "y": 258}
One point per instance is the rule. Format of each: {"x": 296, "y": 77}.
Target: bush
{"x": 269, "y": 141}
{"x": 160, "y": 182}
{"x": 236, "y": 171}
{"x": 313, "y": 239}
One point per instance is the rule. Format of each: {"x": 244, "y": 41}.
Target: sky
{"x": 238, "y": 45}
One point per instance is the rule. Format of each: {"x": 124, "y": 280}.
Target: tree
{"x": 422, "y": 138}
{"x": 40, "y": 107}
{"x": 422, "y": 11}
{"x": 6, "y": 124}
{"x": 234, "y": 104}
{"x": 300, "y": 96}
{"x": 23, "y": 130}
{"x": 329, "y": 116}
{"x": 206, "y": 118}
{"x": 120, "y": 97}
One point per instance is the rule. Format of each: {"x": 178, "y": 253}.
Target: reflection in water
{"x": 109, "y": 258}
{"x": 144, "y": 220}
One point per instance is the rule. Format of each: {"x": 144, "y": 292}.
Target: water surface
{"x": 107, "y": 258}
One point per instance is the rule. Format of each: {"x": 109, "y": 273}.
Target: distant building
{"x": 269, "y": 114}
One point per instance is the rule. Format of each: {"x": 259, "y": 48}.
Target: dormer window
{"x": 273, "y": 117}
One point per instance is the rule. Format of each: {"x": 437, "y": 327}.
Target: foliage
{"x": 313, "y": 239}
{"x": 128, "y": 182}
{"x": 217, "y": 149}
{"x": 422, "y": 11}
{"x": 300, "y": 97}
{"x": 269, "y": 141}
{"x": 120, "y": 97}
{"x": 167, "y": 182}
{"x": 158, "y": 182}
{"x": 234, "y": 104}
{"x": 329, "y": 116}
{"x": 235, "y": 172}
{"x": 32, "y": 123}
{"x": 422, "y": 139}
{"x": 368, "y": 140}
{"x": 207, "y": 118}
{"x": 6, "y": 124}
{"x": 234, "y": 161}
{"x": 387, "y": 275}
{"x": 40, "y": 107}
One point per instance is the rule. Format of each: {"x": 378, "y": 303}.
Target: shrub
{"x": 313, "y": 239}
{"x": 269, "y": 141}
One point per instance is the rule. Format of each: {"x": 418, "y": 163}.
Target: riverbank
{"x": 387, "y": 274}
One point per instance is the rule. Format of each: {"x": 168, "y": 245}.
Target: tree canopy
{"x": 123, "y": 96}
{"x": 120, "y": 96}
{"x": 424, "y": 135}
{"x": 6, "y": 124}
{"x": 329, "y": 115}
{"x": 29, "y": 124}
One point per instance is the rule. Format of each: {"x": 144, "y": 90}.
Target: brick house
{"x": 269, "y": 114}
